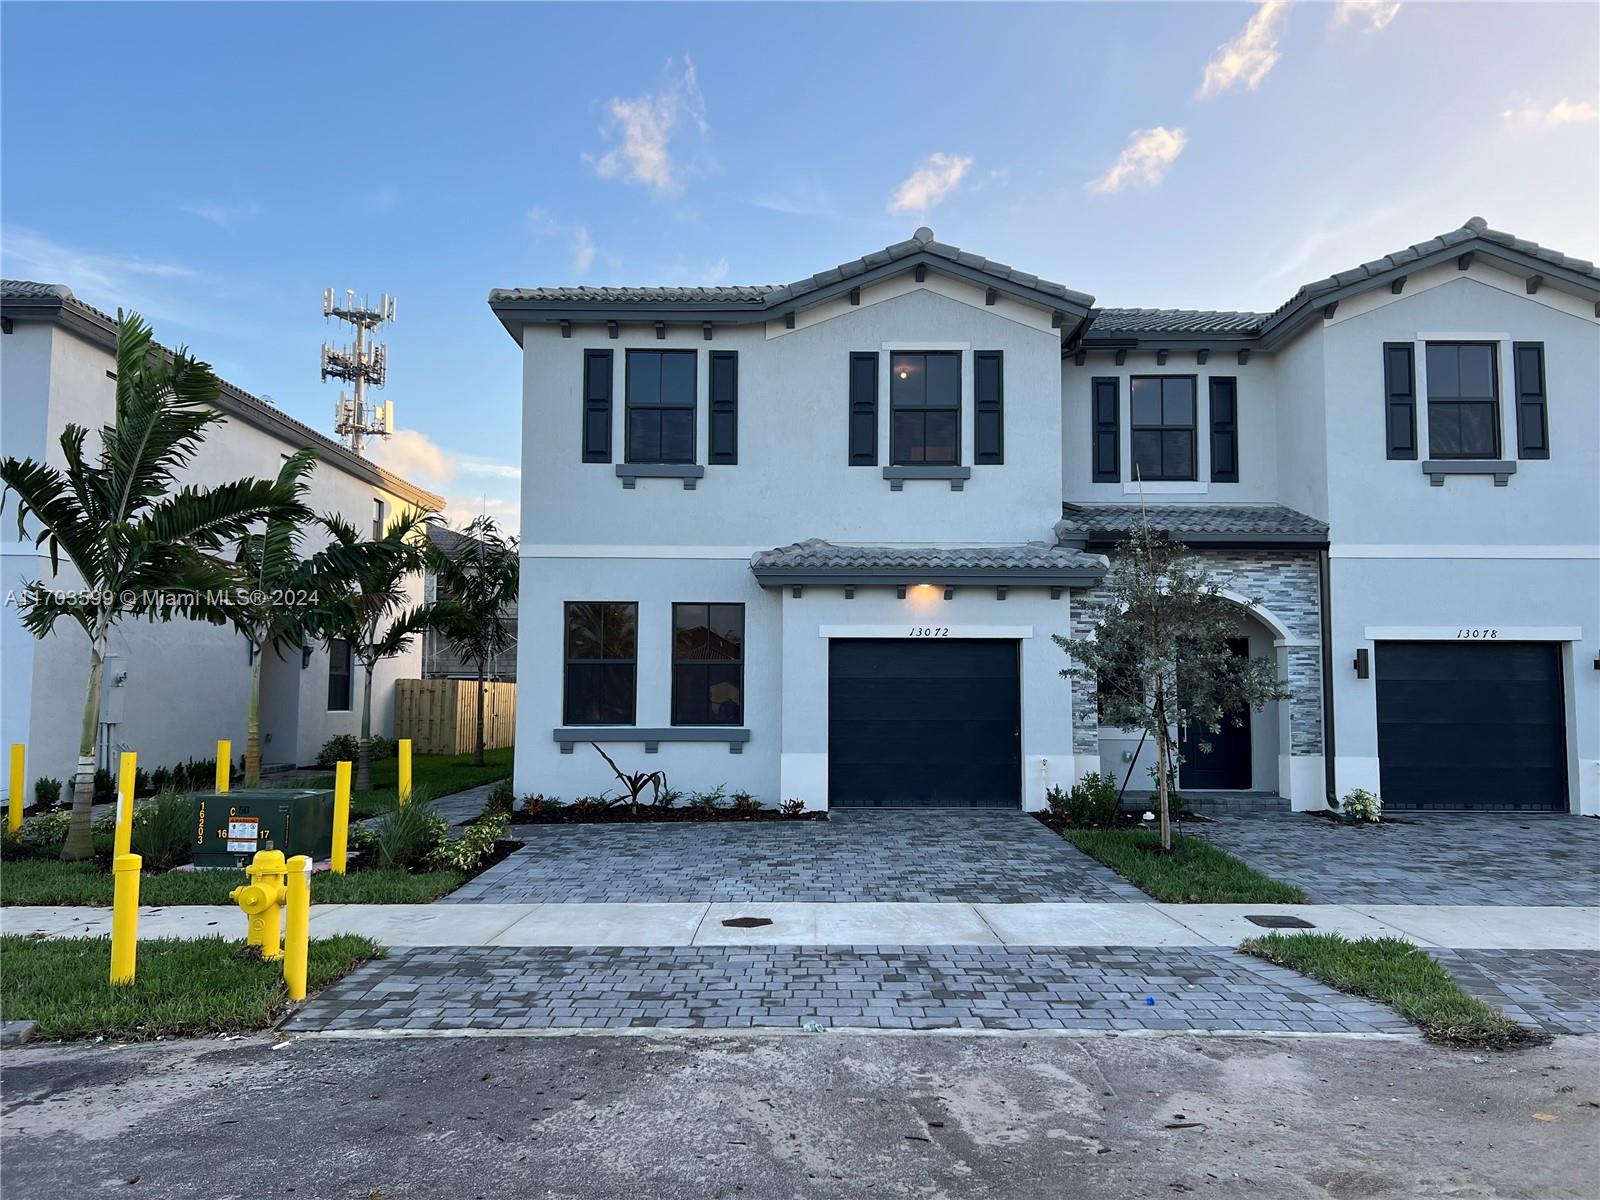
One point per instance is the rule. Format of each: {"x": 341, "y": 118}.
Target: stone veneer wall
{"x": 1283, "y": 582}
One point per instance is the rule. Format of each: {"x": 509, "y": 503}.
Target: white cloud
{"x": 1372, "y": 15}
{"x": 506, "y": 511}
{"x": 1249, "y": 55}
{"x": 158, "y": 289}
{"x": 414, "y": 456}
{"x": 1550, "y": 116}
{"x": 1143, "y": 161}
{"x": 647, "y": 127}
{"x": 223, "y": 216}
{"x": 938, "y": 176}
{"x": 584, "y": 249}
{"x": 798, "y": 198}
{"x": 492, "y": 468}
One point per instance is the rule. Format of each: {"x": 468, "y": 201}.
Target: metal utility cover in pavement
{"x": 1278, "y": 921}
{"x": 747, "y": 922}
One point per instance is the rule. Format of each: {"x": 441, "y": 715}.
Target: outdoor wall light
{"x": 900, "y": 592}
{"x": 1362, "y": 665}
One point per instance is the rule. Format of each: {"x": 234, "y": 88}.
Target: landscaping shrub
{"x": 379, "y": 747}
{"x": 1091, "y": 803}
{"x": 40, "y": 835}
{"x": 105, "y": 787}
{"x": 585, "y": 805}
{"x": 474, "y": 844}
{"x": 47, "y": 791}
{"x": 341, "y": 747}
{"x": 668, "y": 797}
{"x": 744, "y": 803}
{"x": 501, "y": 798}
{"x": 539, "y": 804}
{"x": 407, "y": 836}
{"x": 162, "y": 827}
{"x": 793, "y": 807}
{"x": 707, "y": 802}
{"x": 1362, "y": 805}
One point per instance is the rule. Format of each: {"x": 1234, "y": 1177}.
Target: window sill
{"x": 1437, "y": 468}
{"x": 897, "y": 476}
{"x": 1165, "y": 487}
{"x": 690, "y": 473}
{"x": 570, "y": 735}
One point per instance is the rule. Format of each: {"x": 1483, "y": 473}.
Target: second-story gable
{"x": 911, "y": 399}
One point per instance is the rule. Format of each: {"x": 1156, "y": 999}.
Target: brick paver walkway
{"x": 1555, "y": 990}
{"x": 864, "y": 855}
{"x": 1421, "y": 858}
{"x": 874, "y": 987}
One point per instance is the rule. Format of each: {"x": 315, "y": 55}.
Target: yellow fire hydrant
{"x": 262, "y": 900}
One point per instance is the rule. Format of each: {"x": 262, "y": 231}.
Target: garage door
{"x": 1471, "y": 725}
{"x": 923, "y": 724}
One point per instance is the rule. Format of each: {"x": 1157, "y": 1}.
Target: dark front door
{"x": 1471, "y": 725}
{"x": 923, "y": 723}
{"x": 1220, "y": 759}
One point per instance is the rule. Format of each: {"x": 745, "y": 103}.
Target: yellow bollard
{"x": 262, "y": 901}
{"x": 405, "y": 770}
{"x": 341, "y": 817}
{"x": 224, "y": 751}
{"x": 297, "y": 931}
{"x": 124, "y": 918}
{"x": 14, "y": 809}
{"x": 122, "y": 842}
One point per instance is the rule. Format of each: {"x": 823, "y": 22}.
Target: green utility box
{"x": 229, "y": 827}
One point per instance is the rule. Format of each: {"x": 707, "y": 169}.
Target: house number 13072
{"x": 1476, "y": 634}
{"x": 930, "y": 631}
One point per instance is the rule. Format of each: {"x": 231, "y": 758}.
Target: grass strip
{"x": 441, "y": 774}
{"x": 1195, "y": 872}
{"x": 183, "y": 988}
{"x": 1395, "y": 973}
{"x": 53, "y": 882}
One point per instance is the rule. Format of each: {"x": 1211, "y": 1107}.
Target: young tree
{"x": 477, "y": 580}
{"x": 370, "y": 609}
{"x": 1164, "y": 621}
{"x": 278, "y": 609}
{"x": 142, "y": 546}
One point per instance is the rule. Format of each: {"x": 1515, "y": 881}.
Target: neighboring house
{"x": 812, "y": 541}
{"x": 439, "y": 661}
{"x": 173, "y": 689}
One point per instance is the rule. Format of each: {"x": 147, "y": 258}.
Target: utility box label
{"x": 243, "y": 834}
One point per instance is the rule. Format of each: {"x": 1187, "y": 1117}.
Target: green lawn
{"x": 50, "y": 881}
{"x": 182, "y": 988}
{"x": 1196, "y": 872}
{"x": 441, "y": 774}
{"x": 1395, "y": 973}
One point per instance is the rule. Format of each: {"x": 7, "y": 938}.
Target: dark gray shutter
{"x": 1224, "y": 430}
{"x": 1400, "y": 399}
{"x": 988, "y": 407}
{"x": 597, "y": 406}
{"x": 863, "y": 410}
{"x": 1533, "y": 422}
{"x": 724, "y": 407}
{"x": 1105, "y": 405}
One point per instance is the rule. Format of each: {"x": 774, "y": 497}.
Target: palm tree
{"x": 279, "y": 610}
{"x": 142, "y": 546}
{"x": 477, "y": 583}
{"x": 369, "y": 609}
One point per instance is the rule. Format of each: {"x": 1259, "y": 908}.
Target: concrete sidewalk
{"x": 1485, "y": 927}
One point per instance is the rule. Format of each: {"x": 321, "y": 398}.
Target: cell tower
{"x": 360, "y": 364}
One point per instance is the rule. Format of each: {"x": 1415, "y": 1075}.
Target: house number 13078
{"x": 1476, "y": 634}
{"x": 930, "y": 631}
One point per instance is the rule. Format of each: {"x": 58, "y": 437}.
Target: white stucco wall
{"x": 187, "y": 682}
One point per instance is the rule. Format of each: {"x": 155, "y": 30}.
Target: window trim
{"x": 675, "y": 663}
{"x": 1194, "y": 430}
{"x": 348, "y": 674}
{"x": 959, "y": 410}
{"x": 628, "y": 406}
{"x": 566, "y": 662}
{"x": 1496, "y": 401}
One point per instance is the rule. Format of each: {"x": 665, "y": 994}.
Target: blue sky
{"x": 217, "y": 166}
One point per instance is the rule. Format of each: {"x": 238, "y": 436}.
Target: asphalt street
{"x": 801, "y": 1115}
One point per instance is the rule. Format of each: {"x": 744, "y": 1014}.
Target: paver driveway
{"x": 883, "y": 855}
{"x": 1421, "y": 858}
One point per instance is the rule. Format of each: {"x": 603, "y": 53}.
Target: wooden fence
{"x": 440, "y": 716}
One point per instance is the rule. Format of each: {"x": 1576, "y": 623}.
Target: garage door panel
{"x": 1471, "y": 725}
{"x": 923, "y": 723}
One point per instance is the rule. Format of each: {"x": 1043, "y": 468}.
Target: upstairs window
{"x": 661, "y": 406}
{"x": 1463, "y": 400}
{"x": 338, "y": 675}
{"x": 378, "y": 513}
{"x": 602, "y": 652}
{"x": 925, "y": 409}
{"x": 1162, "y": 427}
{"x": 708, "y": 664}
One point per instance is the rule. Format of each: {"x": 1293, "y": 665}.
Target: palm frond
{"x": 45, "y": 494}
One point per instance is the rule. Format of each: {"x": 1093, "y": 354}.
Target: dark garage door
{"x": 1471, "y": 725}
{"x": 923, "y": 723}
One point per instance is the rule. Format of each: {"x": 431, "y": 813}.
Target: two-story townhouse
{"x": 816, "y": 527}
{"x": 173, "y": 689}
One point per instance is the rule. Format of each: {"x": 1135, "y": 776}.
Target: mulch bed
{"x": 1126, "y": 819}
{"x": 647, "y": 815}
